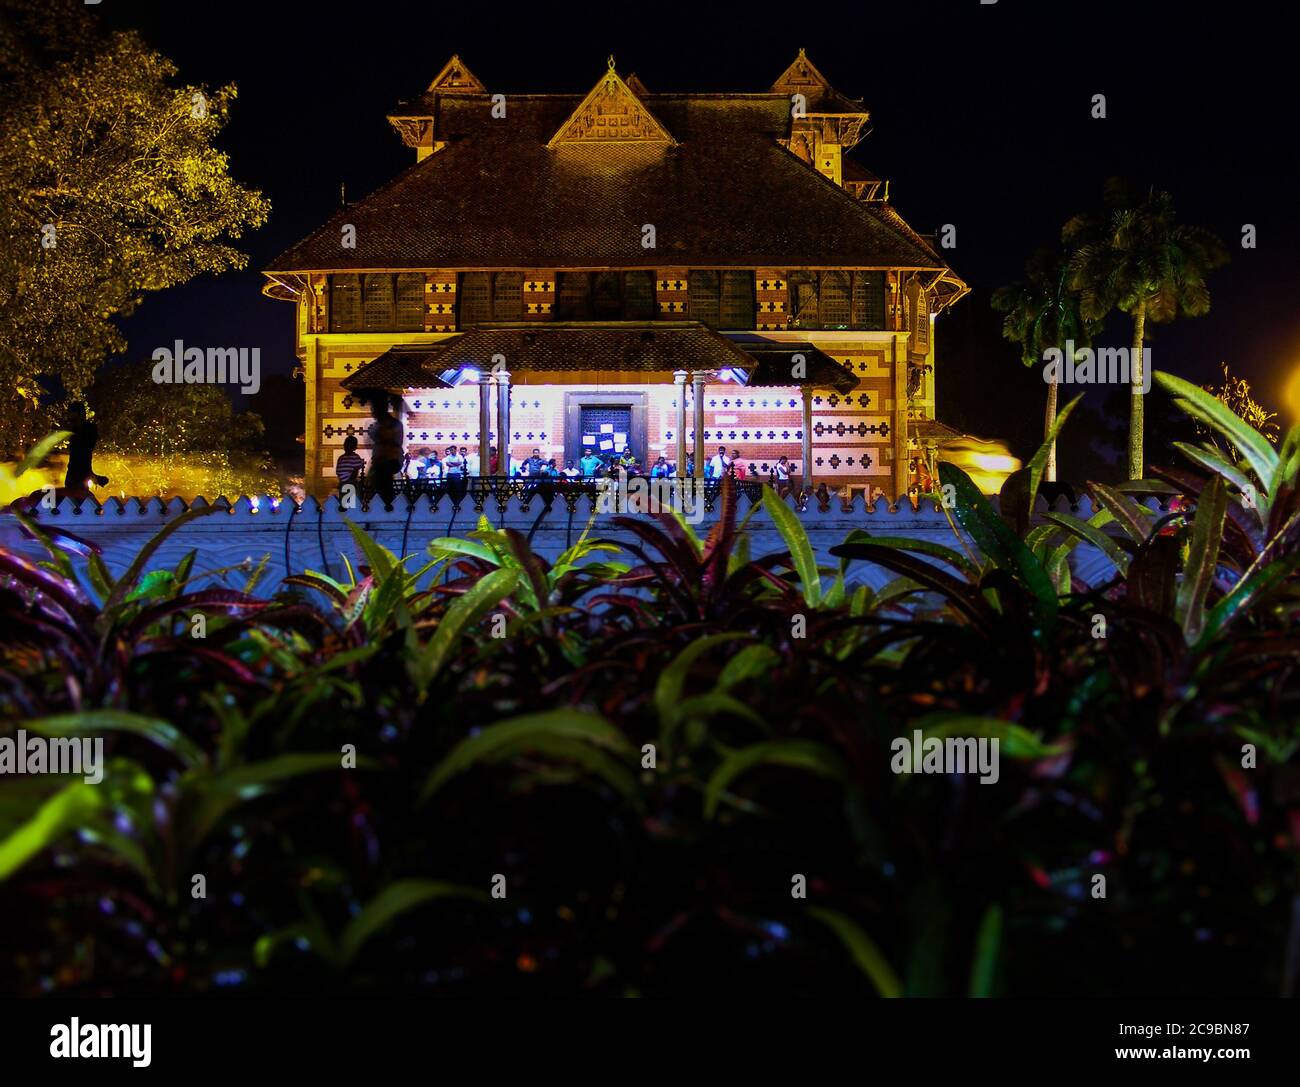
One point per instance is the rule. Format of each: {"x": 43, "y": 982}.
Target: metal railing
{"x": 613, "y": 492}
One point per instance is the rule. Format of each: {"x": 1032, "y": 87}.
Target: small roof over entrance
{"x": 589, "y": 351}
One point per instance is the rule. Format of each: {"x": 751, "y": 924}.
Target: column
{"x": 679, "y": 381}
{"x": 807, "y": 437}
{"x": 697, "y": 389}
{"x": 503, "y": 420}
{"x": 484, "y": 423}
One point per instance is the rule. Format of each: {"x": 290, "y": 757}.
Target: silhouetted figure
{"x": 386, "y": 448}
{"x": 81, "y": 449}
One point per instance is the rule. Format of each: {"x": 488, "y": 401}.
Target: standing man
{"x": 386, "y": 447}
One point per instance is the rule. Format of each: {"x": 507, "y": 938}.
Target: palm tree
{"x": 1042, "y": 312}
{"x": 1137, "y": 258}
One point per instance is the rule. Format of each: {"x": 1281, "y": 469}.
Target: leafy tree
{"x": 1136, "y": 257}
{"x": 110, "y": 186}
{"x": 137, "y": 415}
{"x": 1042, "y": 312}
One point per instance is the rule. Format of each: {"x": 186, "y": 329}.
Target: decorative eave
{"x": 284, "y": 286}
{"x": 833, "y": 117}
{"x": 611, "y": 113}
{"x": 413, "y": 130}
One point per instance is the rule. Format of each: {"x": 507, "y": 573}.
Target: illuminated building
{"x": 688, "y": 270}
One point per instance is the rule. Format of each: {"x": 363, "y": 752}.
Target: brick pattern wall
{"x": 671, "y": 294}
{"x": 539, "y": 296}
{"x": 771, "y": 290}
{"x": 440, "y": 302}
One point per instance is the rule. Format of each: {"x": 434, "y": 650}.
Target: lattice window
{"x": 833, "y": 300}
{"x": 702, "y": 298}
{"x": 475, "y": 298}
{"x": 922, "y": 320}
{"x": 803, "y": 299}
{"x": 508, "y": 296}
{"x": 737, "y": 300}
{"x": 573, "y": 296}
{"x": 869, "y": 300}
{"x": 410, "y": 302}
{"x": 639, "y": 296}
{"x": 378, "y": 291}
{"x": 607, "y": 296}
{"x": 345, "y": 303}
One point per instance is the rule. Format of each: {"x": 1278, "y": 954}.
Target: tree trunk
{"x": 1050, "y": 418}
{"x": 1136, "y": 463}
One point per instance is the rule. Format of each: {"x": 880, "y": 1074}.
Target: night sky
{"x": 980, "y": 118}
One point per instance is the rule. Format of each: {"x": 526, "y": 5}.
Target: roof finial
{"x": 611, "y": 62}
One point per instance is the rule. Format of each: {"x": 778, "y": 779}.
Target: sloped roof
{"x": 727, "y": 194}
{"x": 615, "y": 347}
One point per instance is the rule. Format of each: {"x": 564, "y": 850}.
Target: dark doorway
{"x": 604, "y": 417}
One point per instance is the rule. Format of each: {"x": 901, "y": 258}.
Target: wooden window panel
{"x": 345, "y": 303}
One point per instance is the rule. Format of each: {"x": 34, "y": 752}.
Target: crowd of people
{"x": 389, "y": 463}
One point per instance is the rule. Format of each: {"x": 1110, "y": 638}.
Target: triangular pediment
{"x": 611, "y": 113}
{"x": 802, "y": 77}
{"x": 456, "y": 78}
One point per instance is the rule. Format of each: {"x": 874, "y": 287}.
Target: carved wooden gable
{"x": 456, "y": 78}
{"x": 802, "y": 77}
{"x": 611, "y": 113}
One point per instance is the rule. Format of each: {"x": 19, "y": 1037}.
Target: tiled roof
{"x": 727, "y": 194}
{"x": 615, "y": 347}
{"x": 395, "y": 368}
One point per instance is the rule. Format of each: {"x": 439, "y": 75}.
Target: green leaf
{"x": 988, "y": 947}
{"x": 1216, "y": 465}
{"x": 809, "y": 755}
{"x": 866, "y": 955}
{"x": 1202, "y": 558}
{"x": 467, "y": 609}
{"x": 796, "y": 540}
{"x": 92, "y": 722}
{"x": 380, "y": 559}
{"x": 1208, "y": 409}
{"x": 749, "y": 663}
{"x": 1244, "y": 595}
{"x": 672, "y": 680}
{"x": 1088, "y": 532}
{"x": 1015, "y": 741}
{"x": 394, "y": 900}
{"x": 210, "y": 799}
{"x": 1038, "y": 463}
{"x": 510, "y": 737}
{"x": 128, "y": 580}
{"x": 921, "y": 547}
{"x": 65, "y": 810}
{"x": 42, "y": 449}
{"x": 1135, "y": 520}
{"x": 995, "y": 538}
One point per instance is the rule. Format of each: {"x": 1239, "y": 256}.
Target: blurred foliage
{"x": 503, "y": 709}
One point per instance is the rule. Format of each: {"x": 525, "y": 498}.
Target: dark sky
{"x": 980, "y": 118}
